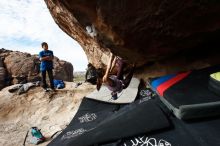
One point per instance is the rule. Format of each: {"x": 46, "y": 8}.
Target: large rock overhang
{"x": 161, "y": 36}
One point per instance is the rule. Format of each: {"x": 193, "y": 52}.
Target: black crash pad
{"x": 97, "y": 122}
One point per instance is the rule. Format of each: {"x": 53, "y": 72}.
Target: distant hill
{"x": 79, "y": 76}
{"x": 79, "y": 73}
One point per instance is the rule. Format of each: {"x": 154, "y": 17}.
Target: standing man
{"x": 46, "y": 58}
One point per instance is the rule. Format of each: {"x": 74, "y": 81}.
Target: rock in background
{"x": 2, "y": 74}
{"x": 63, "y": 70}
{"x": 18, "y": 66}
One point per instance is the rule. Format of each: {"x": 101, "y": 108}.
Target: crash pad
{"x": 214, "y": 83}
{"x": 201, "y": 132}
{"x": 191, "y": 98}
{"x": 216, "y": 76}
{"x": 158, "y": 81}
{"x": 167, "y": 84}
{"x": 127, "y": 95}
{"x": 97, "y": 122}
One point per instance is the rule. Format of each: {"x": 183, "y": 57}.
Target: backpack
{"x": 37, "y": 136}
{"x": 91, "y": 75}
{"x": 59, "y": 84}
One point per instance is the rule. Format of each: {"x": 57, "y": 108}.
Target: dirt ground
{"x": 48, "y": 111}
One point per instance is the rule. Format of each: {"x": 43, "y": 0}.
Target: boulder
{"x": 63, "y": 70}
{"x": 2, "y": 74}
{"x": 160, "y": 36}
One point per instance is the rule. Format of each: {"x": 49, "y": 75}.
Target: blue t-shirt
{"x": 46, "y": 65}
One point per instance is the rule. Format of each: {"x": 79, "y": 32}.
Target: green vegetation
{"x": 79, "y": 77}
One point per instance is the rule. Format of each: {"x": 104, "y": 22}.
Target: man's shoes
{"x": 53, "y": 90}
{"x": 46, "y": 90}
{"x": 50, "y": 90}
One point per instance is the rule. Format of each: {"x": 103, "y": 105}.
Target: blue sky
{"x": 26, "y": 23}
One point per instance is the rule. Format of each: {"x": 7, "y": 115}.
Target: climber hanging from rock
{"x": 115, "y": 81}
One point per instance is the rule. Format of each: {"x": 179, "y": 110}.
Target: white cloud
{"x": 26, "y": 23}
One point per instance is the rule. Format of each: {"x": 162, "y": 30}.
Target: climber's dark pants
{"x": 120, "y": 67}
{"x": 128, "y": 78}
{"x": 50, "y": 75}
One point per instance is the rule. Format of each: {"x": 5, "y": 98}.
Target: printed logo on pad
{"x": 73, "y": 133}
{"x": 144, "y": 99}
{"x": 87, "y": 118}
{"x": 146, "y": 95}
{"x": 147, "y": 141}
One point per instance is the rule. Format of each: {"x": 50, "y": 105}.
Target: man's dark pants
{"x": 50, "y": 75}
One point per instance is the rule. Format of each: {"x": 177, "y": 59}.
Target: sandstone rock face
{"x": 2, "y": 74}
{"x": 50, "y": 112}
{"x": 63, "y": 70}
{"x": 20, "y": 66}
{"x": 163, "y": 35}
